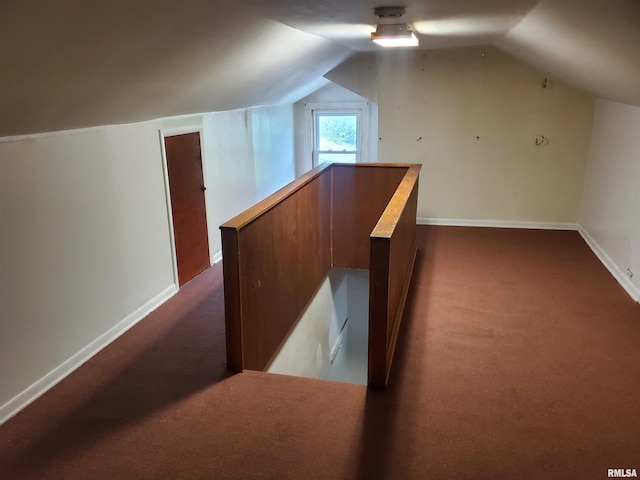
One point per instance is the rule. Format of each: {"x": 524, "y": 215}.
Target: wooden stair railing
{"x": 276, "y": 254}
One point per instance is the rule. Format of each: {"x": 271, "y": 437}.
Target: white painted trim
{"x": 20, "y": 401}
{"x": 167, "y": 195}
{"x": 217, "y": 257}
{"x": 461, "y": 222}
{"x": 361, "y": 108}
{"x": 618, "y": 274}
{"x": 208, "y": 204}
{"x": 336, "y": 105}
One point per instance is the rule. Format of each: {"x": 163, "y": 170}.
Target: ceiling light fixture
{"x": 393, "y": 34}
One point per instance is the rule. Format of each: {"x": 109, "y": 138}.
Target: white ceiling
{"x": 440, "y": 23}
{"x": 78, "y": 63}
{"x": 592, "y": 43}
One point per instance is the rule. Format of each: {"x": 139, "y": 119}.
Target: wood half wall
{"x": 393, "y": 254}
{"x": 276, "y": 254}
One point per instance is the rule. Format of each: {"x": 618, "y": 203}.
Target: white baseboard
{"x": 217, "y": 257}
{"x": 617, "y": 273}
{"x": 56, "y": 375}
{"x": 461, "y": 222}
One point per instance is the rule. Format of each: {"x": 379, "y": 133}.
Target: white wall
{"x": 85, "y": 249}
{"x": 184, "y": 122}
{"x": 84, "y": 246}
{"x": 249, "y": 154}
{"x": 306, "y": 352}
{"x": 343, "y": 294}
{"x": 351, "y": 363}
{"x": 611, "y": 207}
{"x": 273, "y": 148}
{"x": 330, "y": 94}
{"x": 471, "y": 117}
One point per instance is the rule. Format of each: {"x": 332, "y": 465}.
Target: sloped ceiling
{"x": 592, "y": 43}
{"x": 77, "y": 63}
{"x": 440, "y": 23}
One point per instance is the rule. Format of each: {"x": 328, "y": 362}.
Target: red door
{"x": 186, "y": 186}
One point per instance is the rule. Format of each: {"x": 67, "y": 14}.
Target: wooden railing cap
{"x": 391, "y": 215}
{"x": 243, "y": 219}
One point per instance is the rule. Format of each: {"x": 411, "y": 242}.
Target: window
{"x": 336, "y": 136}
{"x": 338, "y": 132}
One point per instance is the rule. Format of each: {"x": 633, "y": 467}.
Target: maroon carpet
{"x": 519, "y": 358}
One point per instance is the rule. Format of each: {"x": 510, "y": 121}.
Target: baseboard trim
{"x": 217, "y": 257}
{"x": 20, "y": 401}
{"x": 462, "y": 222}
{"x": 618, "y": 274}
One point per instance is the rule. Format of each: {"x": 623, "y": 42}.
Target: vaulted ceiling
{"x": 77, "y": 63}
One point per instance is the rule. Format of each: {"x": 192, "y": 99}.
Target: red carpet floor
{"x": 518, "y": 358}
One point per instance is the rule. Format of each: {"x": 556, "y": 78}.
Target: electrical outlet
{"x": 630, "y": 273}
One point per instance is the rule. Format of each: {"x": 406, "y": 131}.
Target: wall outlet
{"x": 630, "y": 273}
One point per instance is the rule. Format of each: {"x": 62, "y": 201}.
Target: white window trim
{"x": 360, "y": 107}
{"x": 348, "y": 113}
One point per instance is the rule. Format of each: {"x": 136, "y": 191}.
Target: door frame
{"x": 171, "y": 132}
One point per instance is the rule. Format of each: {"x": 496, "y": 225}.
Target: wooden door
{"x": 186, "y": 186}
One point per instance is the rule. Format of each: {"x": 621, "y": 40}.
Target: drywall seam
{"x": 617, "y": 273}
{"x": 32, "y": 393}
{"x": 73, "y": 131}
{"x": 461, "y": 222}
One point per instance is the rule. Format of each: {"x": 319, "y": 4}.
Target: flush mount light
{"x": 389, "y": 34}
{"x": 394, "y": 35}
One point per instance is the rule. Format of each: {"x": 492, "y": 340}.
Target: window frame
{"x": 316, "y": 133}
{"x": 361, "y": 109}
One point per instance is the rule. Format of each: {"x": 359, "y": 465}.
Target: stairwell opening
{"x": 330, "y": 340}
